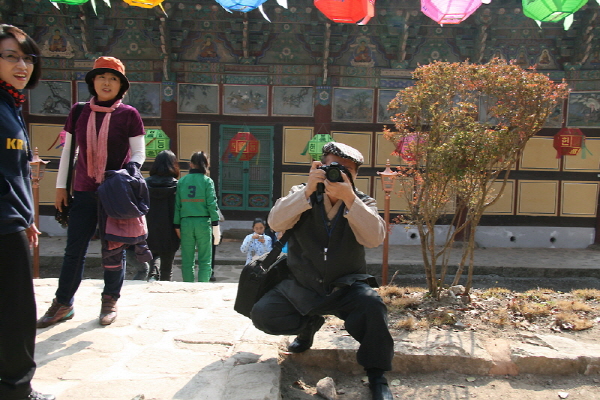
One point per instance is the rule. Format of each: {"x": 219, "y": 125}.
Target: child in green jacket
{"x": 196, "y": 210}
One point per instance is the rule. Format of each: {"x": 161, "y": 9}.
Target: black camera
{"x": 333, "y": 172}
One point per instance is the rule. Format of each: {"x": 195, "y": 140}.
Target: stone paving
{"x": 176, "y": 340}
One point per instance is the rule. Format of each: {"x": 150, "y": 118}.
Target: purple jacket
{"x": 124, "y": 193}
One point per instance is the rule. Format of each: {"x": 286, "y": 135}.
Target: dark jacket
{"x": 124, "y": 193}
{"x": 16, "y": 199}
{"x": 162, "y": 238}
{"x": 321, "y": 261}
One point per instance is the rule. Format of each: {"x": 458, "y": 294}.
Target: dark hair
{"x": 28, "y": 46}
{"x": 258, "y": 221}
{"x": 165, "y": 164}
{"x": 92, "y": 89}
{"x": 200, "y": 160}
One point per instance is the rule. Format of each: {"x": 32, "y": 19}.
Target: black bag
{"x": 62, "y": 217}
{"x": 260, "y": 276}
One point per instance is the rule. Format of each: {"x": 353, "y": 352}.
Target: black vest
{"x": 321, "y": 252}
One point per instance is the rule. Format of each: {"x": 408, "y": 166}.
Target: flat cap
{"x": 344, "y": 151}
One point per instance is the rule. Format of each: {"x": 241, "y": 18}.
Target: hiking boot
{"x": 38, "y": 396}
{"x": 56, "y": 313}
{"x": 304, "y": 340}
{"x": 108, "y": 312}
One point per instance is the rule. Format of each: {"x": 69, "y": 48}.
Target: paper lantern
{"x": 347, "y": 11}
{"x": 156, "y": 141}
{"x": 243, "y": 147}
{"x": 71, "y": 2}
{"x": 146, "y": 4}
{"x": 449, "y": 11}
{"x": 410, "y": 148}
{"x": 240, "y": 5}
{"x": 569, "y": 142}
{"x": 314, "y": 147}
{"x": 551, "y": 10}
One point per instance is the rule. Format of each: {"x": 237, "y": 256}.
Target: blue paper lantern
{"x": 240, "y": 5}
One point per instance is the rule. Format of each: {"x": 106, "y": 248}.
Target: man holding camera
{"x": 331, "y": 224}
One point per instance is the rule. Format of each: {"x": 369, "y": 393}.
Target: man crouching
{"x": 331, "y": 224}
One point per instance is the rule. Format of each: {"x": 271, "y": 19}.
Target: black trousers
{"x": 359, "y": 306}
{"x": 17, "y": 317}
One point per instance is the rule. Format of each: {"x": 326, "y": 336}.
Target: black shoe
{"x": 38, "y": 396}
{"x": 212, "y": 277}
{"x": 380, "y": 389}
{"x": 304, "y": 340}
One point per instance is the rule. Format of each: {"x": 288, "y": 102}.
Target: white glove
{"x": 216, "y": 231}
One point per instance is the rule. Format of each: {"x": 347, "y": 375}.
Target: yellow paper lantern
{"x": 146, "y": 3}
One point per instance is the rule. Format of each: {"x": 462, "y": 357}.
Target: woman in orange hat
{"x": 109, "y": 135}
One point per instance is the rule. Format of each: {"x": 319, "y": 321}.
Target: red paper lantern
{"x": 568, "y": 142}
{"x": 347, "y": 11}
{"x": 243, "y": 146}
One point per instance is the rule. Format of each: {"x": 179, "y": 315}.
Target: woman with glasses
{"x": 18, "y": 70}
{"x": 110, "y": 136}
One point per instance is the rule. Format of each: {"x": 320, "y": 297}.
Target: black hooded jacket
{"x": 162, "y": 237}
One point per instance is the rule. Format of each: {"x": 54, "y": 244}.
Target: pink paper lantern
{"x": 449, "y": 11}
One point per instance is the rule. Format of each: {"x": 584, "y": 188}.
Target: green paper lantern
{"x": 314, "y": 147}
{"x": 71, "y": 2}
{"x": 156, "y": 141}
{"x": 551, "y": 10}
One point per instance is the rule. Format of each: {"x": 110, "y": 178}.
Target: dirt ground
{"x": 479, "y": 314}
{"x": 299, "y": 384}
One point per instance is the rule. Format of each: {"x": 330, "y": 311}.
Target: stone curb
{"x": 461, "y": 352}
{"x": 395, "y": 267}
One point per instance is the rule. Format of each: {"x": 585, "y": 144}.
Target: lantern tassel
{"x": 94, "y": 7}
{"x": 107, "y": 2}
{"x": 584, "y": 149}
{"x": 241, "y": 152}
{"x": 365, "y": 20}
{"x": 284, "y": 4}
{"x": 262, "y": 11}
{"x": 163, "y": 10}
{"x": 568, "y": 22}
{"x": 305, "y": 149}
{"x": 55, "y": 5}
{"x": 227, "y": 153}
{"x": 258, "y": 154}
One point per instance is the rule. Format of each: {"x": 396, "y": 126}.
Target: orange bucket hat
{"x": 108, "y": 64}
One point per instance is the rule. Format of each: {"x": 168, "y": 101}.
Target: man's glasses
{"x": 13, "y": 57}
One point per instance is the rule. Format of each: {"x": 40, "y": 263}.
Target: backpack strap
{"x": 277, "y": 246}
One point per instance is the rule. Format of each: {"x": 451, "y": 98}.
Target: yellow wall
{"x": 192, "y": 138}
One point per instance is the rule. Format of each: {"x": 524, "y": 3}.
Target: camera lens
{"x": 334, "y": 175}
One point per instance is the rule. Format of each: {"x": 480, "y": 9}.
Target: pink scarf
{"x": 97, "y": 151}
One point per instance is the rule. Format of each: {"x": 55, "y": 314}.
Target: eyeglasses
{"x": 14, "y": 58}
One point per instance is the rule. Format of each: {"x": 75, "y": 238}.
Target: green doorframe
{"x": 246, "y": 185}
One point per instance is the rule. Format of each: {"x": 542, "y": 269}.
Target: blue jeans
{"x": 83, "y": 219}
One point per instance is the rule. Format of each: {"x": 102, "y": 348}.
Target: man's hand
{"x": 32, "y": 235}
{"x": 315, "y": 176}
{"x": 341, "y": 191}
{"x": 62, "y": 199}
